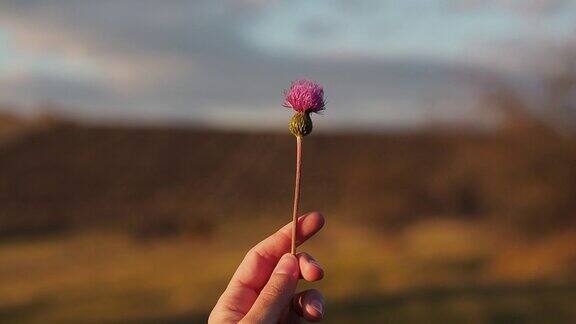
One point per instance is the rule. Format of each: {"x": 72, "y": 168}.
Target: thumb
{"x": 277, "y": 294}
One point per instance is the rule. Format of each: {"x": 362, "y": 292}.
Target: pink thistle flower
{"x": 304, "y": 96}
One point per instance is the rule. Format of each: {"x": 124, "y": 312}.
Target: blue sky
{"x": 224, "y": 63}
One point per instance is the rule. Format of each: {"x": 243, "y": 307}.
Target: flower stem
{"x": 296, "y": 193}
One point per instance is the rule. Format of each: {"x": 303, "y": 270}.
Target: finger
{"x": 310, "y": 269}
{"x": 279, "y": 243}
{"x": 309, "y": 304}
{"x": 259, "y": 262}
{"x": 276, "y": 294}
{"x": 255, "y": 269}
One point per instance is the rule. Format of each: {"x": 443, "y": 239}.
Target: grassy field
{"x": 435, "y": 272}
{"x": 146, "y": 225}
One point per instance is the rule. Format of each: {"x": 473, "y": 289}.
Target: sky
{"x": 224, "y": 63}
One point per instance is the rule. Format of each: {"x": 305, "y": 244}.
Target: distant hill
{"x": 162, "y": 181}
{"x": 13, "y": 127}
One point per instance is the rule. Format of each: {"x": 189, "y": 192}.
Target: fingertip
{"x": 310, "y": 269}
{"x": 313, "y": 308}
{"x": 288, "y": 264}
{"x": 314, "y": 217}
{"x": 314, "y": 311}
{"x": 309, "y": 225}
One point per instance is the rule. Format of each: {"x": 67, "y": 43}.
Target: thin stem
{"x": 296, "y": 193}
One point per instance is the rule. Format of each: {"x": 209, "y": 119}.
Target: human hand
{"x": 262, "y": 290}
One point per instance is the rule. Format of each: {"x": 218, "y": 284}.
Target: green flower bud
{"x": 300, "y": 124}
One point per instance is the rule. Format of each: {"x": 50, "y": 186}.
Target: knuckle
{"x": 251, "y": 253}
{"x": 272, "y": 292}
{"x": 256, "y": 253}
{"x": 267, "y": 298}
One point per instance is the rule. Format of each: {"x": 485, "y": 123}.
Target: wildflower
{"x": 304, "y": 97}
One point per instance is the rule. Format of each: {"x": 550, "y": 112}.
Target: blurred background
{"x": 144, "y": 150}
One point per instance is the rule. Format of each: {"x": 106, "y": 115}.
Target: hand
{"x": 262, "y": 288}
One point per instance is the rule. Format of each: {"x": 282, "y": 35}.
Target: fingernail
{"x": 317, "y": 305}
{"x": 287, "y": 265}
{"x": 315, "y": 263}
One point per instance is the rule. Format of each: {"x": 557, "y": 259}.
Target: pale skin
{"x": 263, "y": 288}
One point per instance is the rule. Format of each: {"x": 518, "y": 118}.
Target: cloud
{"x": 145, "y": 59}
{"x": 524, "y": 7}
